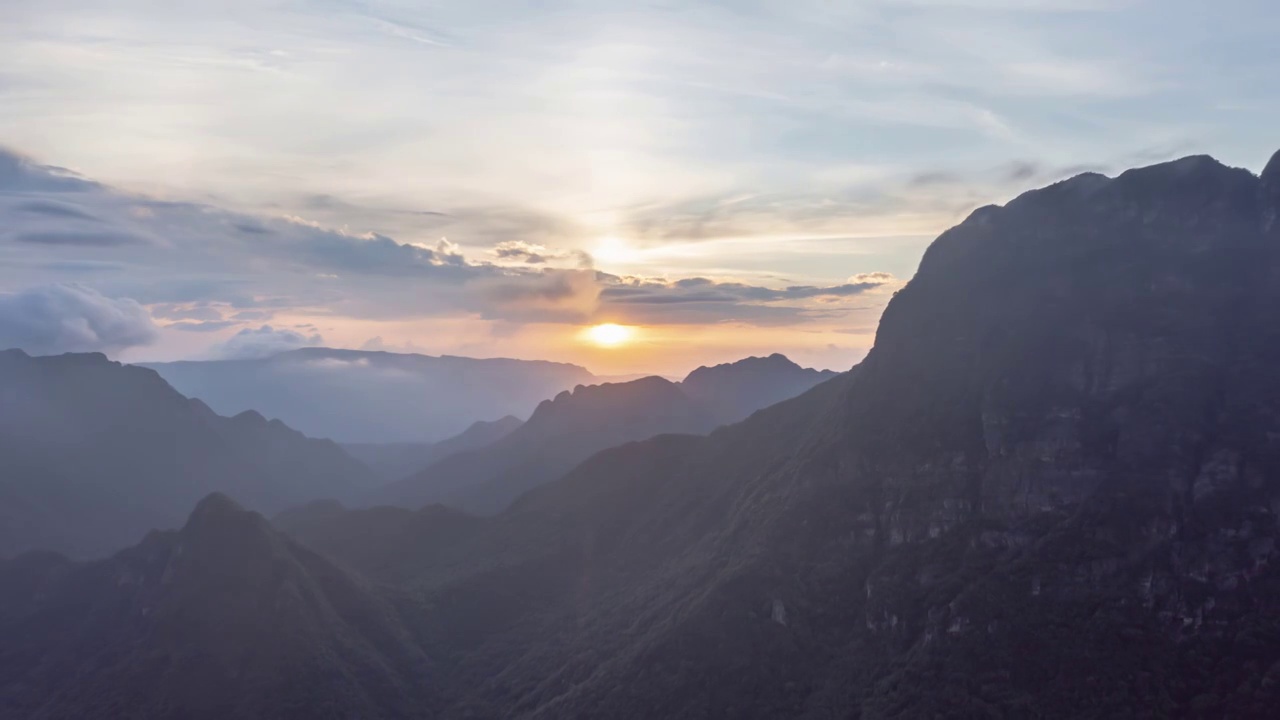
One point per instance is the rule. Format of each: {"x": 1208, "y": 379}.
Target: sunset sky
{"x": 197, "y": 180}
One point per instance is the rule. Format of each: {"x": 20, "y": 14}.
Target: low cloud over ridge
{"x": 72, "y": 318}
{"x": 264, "y": 342}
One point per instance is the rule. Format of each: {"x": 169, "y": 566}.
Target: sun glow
{"x": 612, "y": 250}
{"x": 610, "y": 335}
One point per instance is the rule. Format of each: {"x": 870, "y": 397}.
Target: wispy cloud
{"x": 211, "y": 271}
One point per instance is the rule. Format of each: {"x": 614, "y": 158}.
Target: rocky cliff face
{"x": 1065, "y": 447}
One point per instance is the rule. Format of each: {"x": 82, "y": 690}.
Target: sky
{"x": 491, "y": 178}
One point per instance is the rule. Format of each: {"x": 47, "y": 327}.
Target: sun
{"x": 613, "y": 250}
{"x": 610, "y": 335}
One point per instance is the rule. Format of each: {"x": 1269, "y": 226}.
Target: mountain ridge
{"x": 361, "y": 396}
{"x": 575, "y": 424}
{"x": 100, "y": 452}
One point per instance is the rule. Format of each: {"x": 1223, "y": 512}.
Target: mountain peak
{"x": 216, "y": 505}
{"x": 223, "y": 528}
{"x": 732, "y": 391}
{"x": 1195, "y": 173}
{"x": 1271, "y": 173}
{"x": 250, "y": 417}
{"x": 773, "y": 362}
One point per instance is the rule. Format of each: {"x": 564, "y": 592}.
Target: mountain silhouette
{"x": 97, "y": 453}
{"x": 733, "y": 391}
{"x": 355, "y": 396}
{"x": 566, "y": 430}
{"x": 1050, "y": 490}
{"x": 222, "y": 618}
{"x": 561, "y": 433}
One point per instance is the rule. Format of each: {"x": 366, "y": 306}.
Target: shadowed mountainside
{"x": 223, "y": 618}
{"x": 96, "y": 453}
{"x": 574, "y": 425}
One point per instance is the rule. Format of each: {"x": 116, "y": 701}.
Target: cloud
{"x": 377, "y": 344}
{"x": 20, "y": 173}
{"x": 264, "y": 342}
{"x": 933, "y": 177}
{"x": 1021, "y": 171}
{"x": 872, "y": 278}
{"x": 535, "y": 254}
{"x": 203, "y": 327}
{"x": 547, "y": 296}
{"x": 76, "y": 238}
{"x": 72, "y": 318}
{"x": 209, "y": 269}
{"x": 704, "y": 290}
{"x": 703, "y": 300}
{"x": 53, "y": 208}
{"x": 191, "y": 311}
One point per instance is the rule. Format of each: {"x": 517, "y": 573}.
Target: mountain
{"x": 223, "y": 618}
{"x": 97, "y": 453}
{"x": 354, "y": 396}
{"x": 733, "y": 391}
{"x": 1051, "y": 490}
{"x": 395, "y": 461}
{"x": 561, "y": 433}
{"x": 574, "y": 425}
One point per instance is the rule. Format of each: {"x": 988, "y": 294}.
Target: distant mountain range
{"x": 95, "y": 454}
{"x": 354, "y": 396}
{"x": 568, "y": 429}
{"x": 396, "y": 461}
{"x": 1050, "y": 491}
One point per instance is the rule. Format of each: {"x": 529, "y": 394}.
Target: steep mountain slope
{"x": 733, "y": 391}
{"x": 561, "y": 433}
{"x": 570, "y": 428}
{"x": 224, "y": 618}
{"x": 373, "y": 397}
{"x": 396, "y": 461}
{"x": 1051, "y": 490}
{"x": 95, "y": 454}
